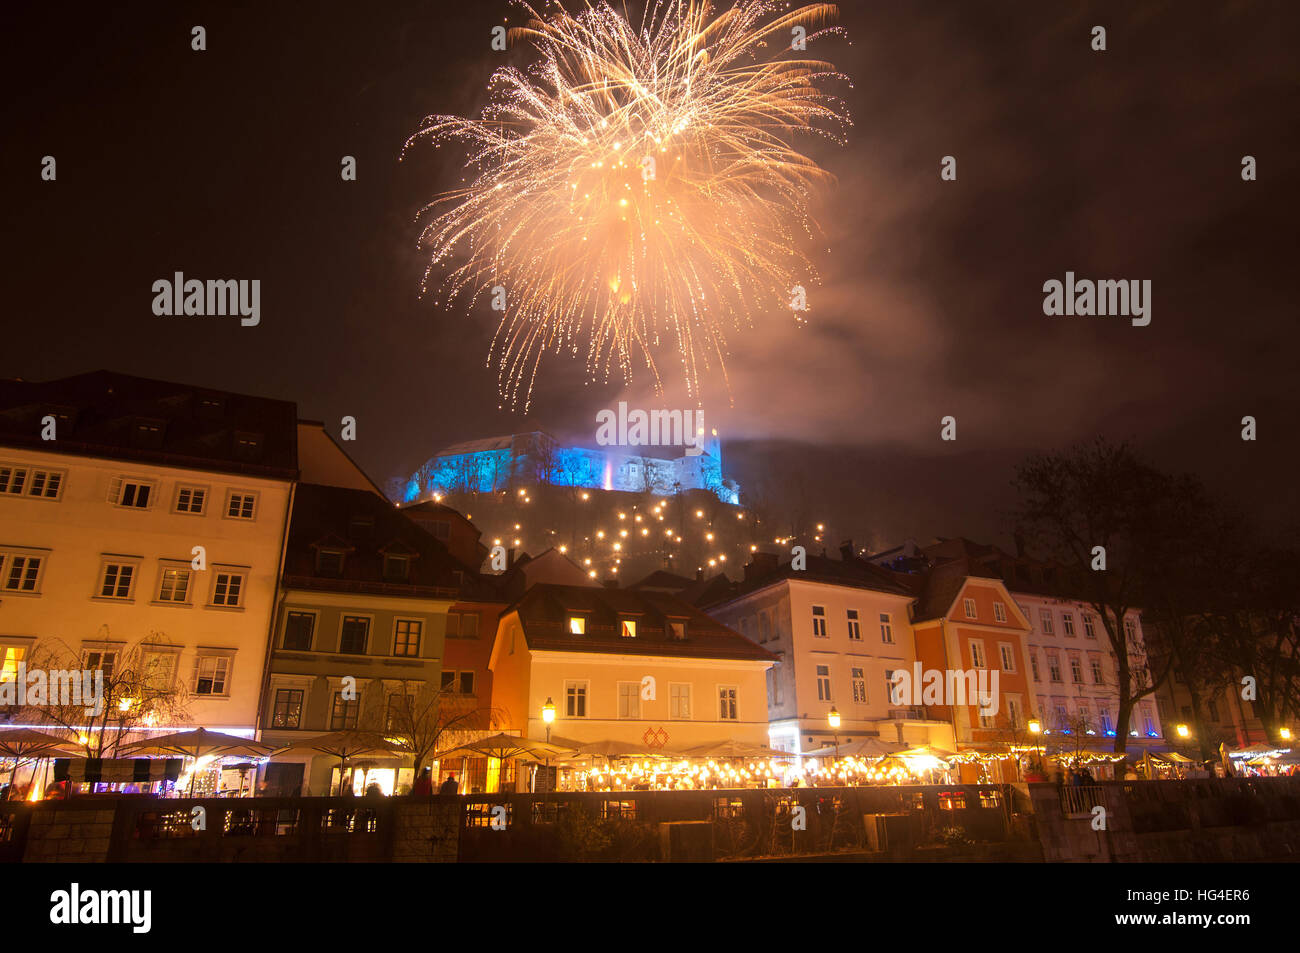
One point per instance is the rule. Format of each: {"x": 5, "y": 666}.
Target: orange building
{"x": 968, "y": 629}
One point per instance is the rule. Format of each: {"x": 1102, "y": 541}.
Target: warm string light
{"x": 657, "y": 159}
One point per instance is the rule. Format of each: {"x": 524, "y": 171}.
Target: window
{"x": 1106, "y": 724}
{"x": 191, "y": 499}
{"x": 240, "y": 506}
{"x": 102, "y": 660}
{"x": 627, "y": 627}
{"x": 116, "y": 581}
{"x": 1033, "y": 664}
{"x": 344, "y": 712}
{"x": 329, "y": 562}
{"x": 727, "y": 703}
{"x": 859, "y": 685}
{"x": 1130, "y": 631}
{"x": 159, "y": 669}
{"x": 298, "y": 630}
{"x": 1088, "y": 630}
{"x": 999, "y": 612}
{"x": 134, "y": 494}
{"x": 680, "y": 700}
{"x": 1076, "y": 670}
{"x": 892, "y": 689}
{"x": 448, "y": 681}
{"x": 228, "y": 589}
{"x": 969, "y": 606}
{"x": 575, "y": 699}
{"x": 819, "y": 622}
{"x": 175, "y": 586}
{"x": 1015, "y": 711}
{"x": 1054, "y": 668}
{"x": 977, "y": 654}
{"x": 1148, "y": 721}
{"x": 886, "y": 629}
{"x": 823, "y": 683}
{"x": 1084, "y": 718}
{"x": 855, "y": 631}
{"x": 10, "y": 656}
{"x": 1067, "y": 622}
{"x": 466, "y": 683}
{"x": 355, "y": 635}
{"x": 406, "y": 637}
{"x": 1008, "y": 657}
{"x": 400, "y": 712}
{"x": 764, "y": 628}
{"x": 20, "y": 481}
{"x": 287, "y": 712}
{"x": 577, "y": 625}
{"x": 1045, "y": 616}
{"x": 677, "y": 630}
{"x": 1095, "y": 664}
{"x": 629, "y": 700}
{"x": 210, "y": 674}
{"x": 396, "y": 568}
{"x": 20, "y": 572}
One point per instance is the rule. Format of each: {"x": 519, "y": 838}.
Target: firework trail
{"x": 637, "y": 183}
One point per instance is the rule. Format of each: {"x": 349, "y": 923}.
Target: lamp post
{"x": 548, "y": 716}
{"x": 1284, "y": 734}
{"x": 1036, "y": 729}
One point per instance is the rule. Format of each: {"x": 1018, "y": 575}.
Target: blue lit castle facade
{"x": 531, "y": 459}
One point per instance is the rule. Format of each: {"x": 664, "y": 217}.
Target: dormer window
{"x": 627, "y": 627}
{"x": 329, "y": 562}
{"x": 577, "y": 625}
{"x": 146, "y": 433}
{"x": 248, "y": 446}
{"x": 396, "y": 568}
{"x": 677, "y": 630}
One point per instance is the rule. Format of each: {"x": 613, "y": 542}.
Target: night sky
{"x": 1122, "y": 164}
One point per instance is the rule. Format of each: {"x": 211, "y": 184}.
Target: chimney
{"x": 846, "y": 551}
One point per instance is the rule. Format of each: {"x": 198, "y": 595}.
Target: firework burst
{"x": 637, "y": 184}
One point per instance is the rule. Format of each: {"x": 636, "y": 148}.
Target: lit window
{"x": 577, "y": 625}
{"x": 406, "y": 637}
{"x": 175, "y": 586}
{"x": 628, "y": 628}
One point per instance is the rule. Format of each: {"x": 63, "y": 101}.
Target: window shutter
{"x": 114, "y": 489}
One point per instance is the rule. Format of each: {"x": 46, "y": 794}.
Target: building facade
{"x": 142, "y": 524}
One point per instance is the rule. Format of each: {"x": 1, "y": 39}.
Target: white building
{"x": 141, "y": 519}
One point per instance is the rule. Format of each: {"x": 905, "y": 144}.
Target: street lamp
{"x": 1284, "y": 734}
{"x": 1036, "y": 729}
{"x": 833, "y": 719}
{"x": 548, "y": 716}
{"x": 1183, "y": 731}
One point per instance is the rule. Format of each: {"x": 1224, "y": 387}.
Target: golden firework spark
{"x": 637, "y": 180}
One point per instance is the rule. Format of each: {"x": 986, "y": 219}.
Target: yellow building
{"x": 620, "y": 665}
{"x": 142, "y": 523}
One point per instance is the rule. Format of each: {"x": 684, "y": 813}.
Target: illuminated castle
{"x": 530, "y": 459}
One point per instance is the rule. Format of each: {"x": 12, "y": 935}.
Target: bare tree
{"x": 141, "y": 689}
{"x": 421, "y": 720}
